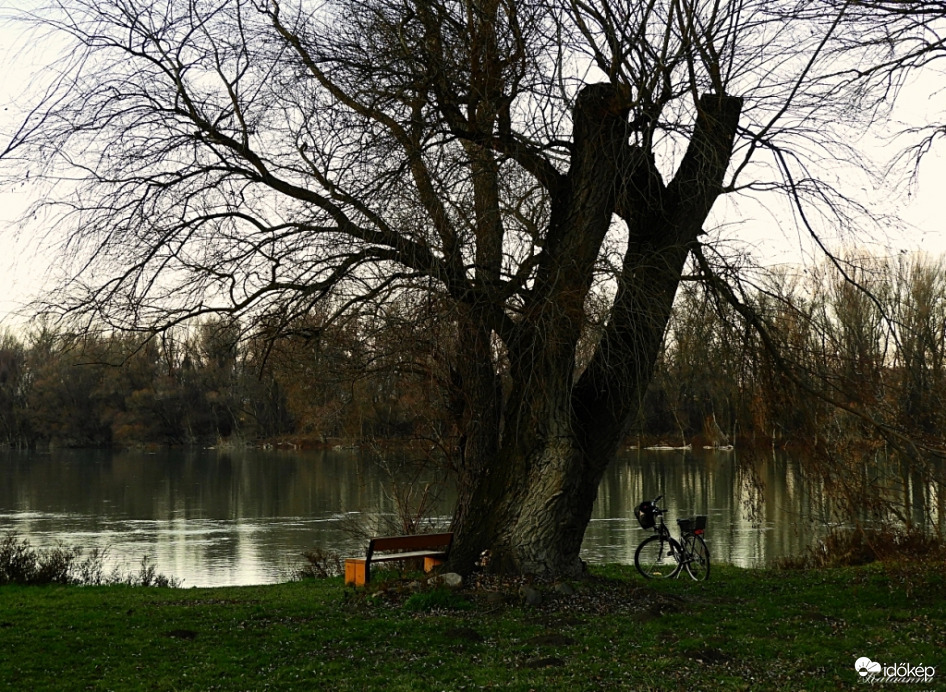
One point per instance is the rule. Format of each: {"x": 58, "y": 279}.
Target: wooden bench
{"x": 432, "y": 547}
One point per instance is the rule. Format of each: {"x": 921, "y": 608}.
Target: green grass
{"x": 742, "y": 630}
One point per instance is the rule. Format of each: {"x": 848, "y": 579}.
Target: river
{"x": 214, "y": 518}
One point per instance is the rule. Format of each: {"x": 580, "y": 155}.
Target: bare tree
{"x": 890, "y": 42}
{"x": 267, "y": 157}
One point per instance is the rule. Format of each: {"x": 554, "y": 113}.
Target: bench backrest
{"x": 421, "y": 541}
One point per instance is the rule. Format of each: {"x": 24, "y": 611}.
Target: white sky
{"x": 25, "y": 264}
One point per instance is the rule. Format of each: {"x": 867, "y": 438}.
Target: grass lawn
{"x": 741, "y": 630}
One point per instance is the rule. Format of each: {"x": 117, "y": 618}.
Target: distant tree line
{"x": 860, "y": 351}
{"x": 849, "y": 350}
{"x": 218, "y": 382}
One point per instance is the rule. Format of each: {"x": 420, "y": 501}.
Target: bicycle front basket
{"x": 645, "y": 514}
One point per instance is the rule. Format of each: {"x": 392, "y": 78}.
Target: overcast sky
{"x": 24, "y": 263}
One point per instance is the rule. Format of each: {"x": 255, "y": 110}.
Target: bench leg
{"x": 356, "y": 571}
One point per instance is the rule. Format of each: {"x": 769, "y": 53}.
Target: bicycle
{"x": 661, "y": 556}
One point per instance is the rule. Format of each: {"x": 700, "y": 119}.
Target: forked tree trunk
{"x": 529, "y": 502}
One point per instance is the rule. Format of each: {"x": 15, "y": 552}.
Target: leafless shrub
{"x": 21, "y": 563}
{"x": 890, "y": 545}
{"x": 319, "y": 564}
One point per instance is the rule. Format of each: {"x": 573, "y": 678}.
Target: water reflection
{"x": 756, "y": 513}
{"x": 221, "y": 519}
{"x": 206, "y": 518}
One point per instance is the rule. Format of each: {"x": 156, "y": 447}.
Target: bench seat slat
{"x": 391, "y": 557}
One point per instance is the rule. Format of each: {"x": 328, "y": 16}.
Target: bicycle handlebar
{"x": 657, "y": 510}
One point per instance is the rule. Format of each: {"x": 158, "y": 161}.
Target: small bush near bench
{"x": 319, "y": 564}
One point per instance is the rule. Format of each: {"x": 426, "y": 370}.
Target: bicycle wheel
{"x": 658, "y": 558}
{"x": 697, "y": 557}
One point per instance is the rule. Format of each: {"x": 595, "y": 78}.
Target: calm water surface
{"x": 211, "y": 518}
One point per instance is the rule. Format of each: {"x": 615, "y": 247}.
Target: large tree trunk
{"x": 530, "y": 502}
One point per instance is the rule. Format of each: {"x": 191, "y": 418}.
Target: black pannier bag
{"x": 645, "y": 514}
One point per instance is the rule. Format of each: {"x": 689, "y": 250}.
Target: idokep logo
{"x": 874, "y": 672}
